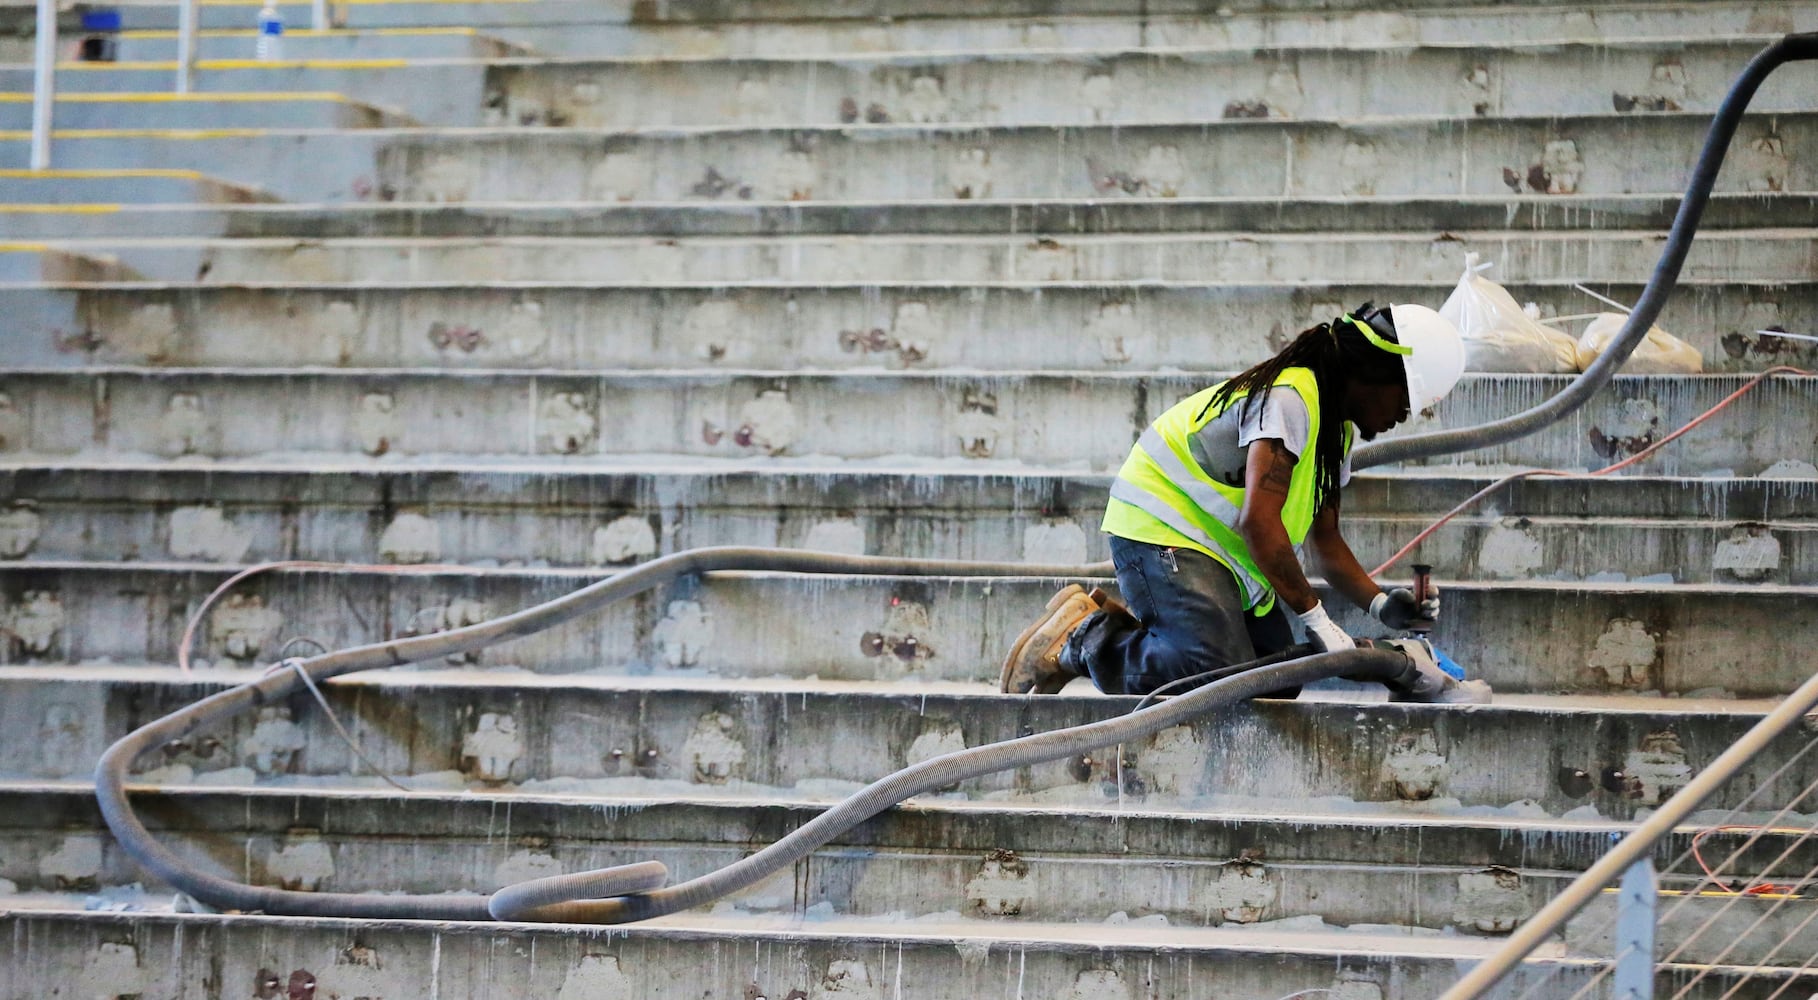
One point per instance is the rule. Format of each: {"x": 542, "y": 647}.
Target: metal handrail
{"x": 44, "y": 83}
{"x": 1637, "y": 845}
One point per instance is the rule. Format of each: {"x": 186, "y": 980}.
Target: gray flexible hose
{"x": 1653, "y": 297}
{"x": 631, "y": 892}
{"x": 631, "y": 885}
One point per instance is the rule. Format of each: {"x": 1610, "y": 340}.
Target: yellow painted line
{"x": 168, "y": 65}
{"x": 103, "y": 173}
{"x": 24, "y": 247}
{"x": 135, "y": 97}
{"x": 144, "y": 133}
{"x": 301, "y": 32}
{"x": 90, "y": 208}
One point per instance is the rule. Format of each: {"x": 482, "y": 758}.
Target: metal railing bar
{"x": 1631, "y": 848}
{"x": 186, "y": 46}
{"x": 44, "y": 83}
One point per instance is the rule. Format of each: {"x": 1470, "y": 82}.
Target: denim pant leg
{"x": 1190, "y": 618}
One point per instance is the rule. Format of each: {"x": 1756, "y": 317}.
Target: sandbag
{"x": 1659, "y": 353}
{"x": 1498, "y": 335}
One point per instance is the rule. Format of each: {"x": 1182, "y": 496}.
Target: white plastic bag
{"x": 1498, "y": 335}
{"x": 1659, "y": 353}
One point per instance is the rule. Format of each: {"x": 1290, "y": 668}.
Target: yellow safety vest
{"x": 1162, "y": 496}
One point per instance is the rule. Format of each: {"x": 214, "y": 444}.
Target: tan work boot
{"x": 1034, "y": 661}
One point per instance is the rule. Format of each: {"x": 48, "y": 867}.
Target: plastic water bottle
{"x": 271, "y": 33}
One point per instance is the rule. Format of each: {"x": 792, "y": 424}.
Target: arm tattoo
{"x": 1280, "y": 473}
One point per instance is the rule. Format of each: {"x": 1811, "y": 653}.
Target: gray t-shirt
{"x": 1221, "y": 446}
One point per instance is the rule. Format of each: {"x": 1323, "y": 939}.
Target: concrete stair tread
{"x": 530, "y": 680}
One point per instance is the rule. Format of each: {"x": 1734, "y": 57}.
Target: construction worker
{"x": 1206, "y": 513}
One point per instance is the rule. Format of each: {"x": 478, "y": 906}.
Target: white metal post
{"x": 318, "y": 14}
{"x": 186, "y": 46}
{"x": 44, "y": 84}
{"x": 1637, "y": 899}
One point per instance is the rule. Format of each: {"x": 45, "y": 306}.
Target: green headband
{"x": 1373, "y": 337}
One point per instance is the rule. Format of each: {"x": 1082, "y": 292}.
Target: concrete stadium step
{"x": 1393, "y": 157}
{"x": 1052, "y": 217}
{"x": 75, "y": 112}
{"x": 447, "y": 92}
{"x": 1496, "y": 78}
{"x": 800, "y": 327}
{"x": 307, "y": 44}
{"x": 647, "y": 740}
{"x": 730, "y": 956}
{"x": 1518, "y": 635}
{"x": 1610, "y": 530}
{"x": 68, "y": 194}
{"x": 951, "y": 420}
{"x": 1762, "y": 255}
{"x": 32, "y": 263}
{"x": 996, "y": 866}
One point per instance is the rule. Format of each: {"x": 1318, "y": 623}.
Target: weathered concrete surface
{"x": 1105, "y": 87}
{"x": 62, "y": 187}
{"x": 1000, "y": 420}
{"x": 1760, "y": 255}
{"x": 652, "y": 738}
{"x": 1520, "y": 636}
{"x": 994, "y": 867}
{"x": 1555, "y": 155}
{"x": 303, "y": 43}
{"x": 730, "y": 957}
{"x": 1739, "y": 531}
{"x": 998, "y": 216}
{"x": 36, "y": 262}
{"x": 1080, "y": 327}
{"x": 203, "y": 111}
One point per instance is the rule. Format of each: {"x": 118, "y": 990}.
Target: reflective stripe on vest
{"x": 1162, "y": 484}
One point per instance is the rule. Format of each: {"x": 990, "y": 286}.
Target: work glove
{"x": 1323, "y": 632}
{"x": 1398, "y": 609}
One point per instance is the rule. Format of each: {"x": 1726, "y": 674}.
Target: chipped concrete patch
{"x": 597, "y": 977}
{"x": 358, "y": 972}
{"x": 1242, "y": 892}
{"x": 1054, "y": 541}
{"x": 767, "y": 423}
{"x": 303, "y": 864}
{"x": 1415, "y": 767}
{"x": 916, "y": 327}
{"x": 622, "y": 540}
{"x": 36, "y": 621}
{"x": 525, "y": 865}
{"x": 1658, "y": 768}
{"x": 1510, "y": 553}
{"x": 1098, "y": 984}
{"x": 1624, "y": 655}
{"x": 617, "y": 177}
{"x": 205, "y": 533}
{"x": 713, "y": 327}
{"x": 184, "y": 426}
{"x": 1098, "y": 93}
{"x": 110, "y": 971}
{"x": 1000, "y": 887}
{"x": 903, "y": 634}
{"x": 1790, "y": 468}
{"x": 969, "y": 173}
{"x": 274, "y": 741}
{"x": 75, "y": 864}
{"x": 684, "y": 634}
{"x": 1492, "y": 901}
{"x": 1356, "y": 989}
{"x": 444, "y": 179}
{"x": 565, "y": 422}
{"x": 376, "y": 427}
{"x": 242, "y": 626}
{"x": 937, "y": 739}
{"x": 1751, "y": 553}
{"x": 926, "y": 101}
{"x": 793, "y": 176}
{"x": 1173, "y": 761}
{"x": 847, "y": 979}
{"x": 1163, "y": 171}
{"x": 840, "y": 534}
{"x": 20, "y": 527}
{"x": 410, "y": 539}
{"x": 717, "y": 754}
{"x": 490, "y": 751}
{"x": 524, "y": 333}
{"x": 148, "y": 332}
{"x": 1120, "y": 336}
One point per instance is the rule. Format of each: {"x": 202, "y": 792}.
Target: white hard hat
{"x": 1438, "y": 355}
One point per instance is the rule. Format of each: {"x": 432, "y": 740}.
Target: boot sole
{"x": 1055, "y": 603}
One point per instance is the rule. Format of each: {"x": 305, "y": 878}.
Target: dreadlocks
{"x": 1337, "y": 353}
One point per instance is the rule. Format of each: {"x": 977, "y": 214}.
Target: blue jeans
{"x": 1189, "y": 618}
